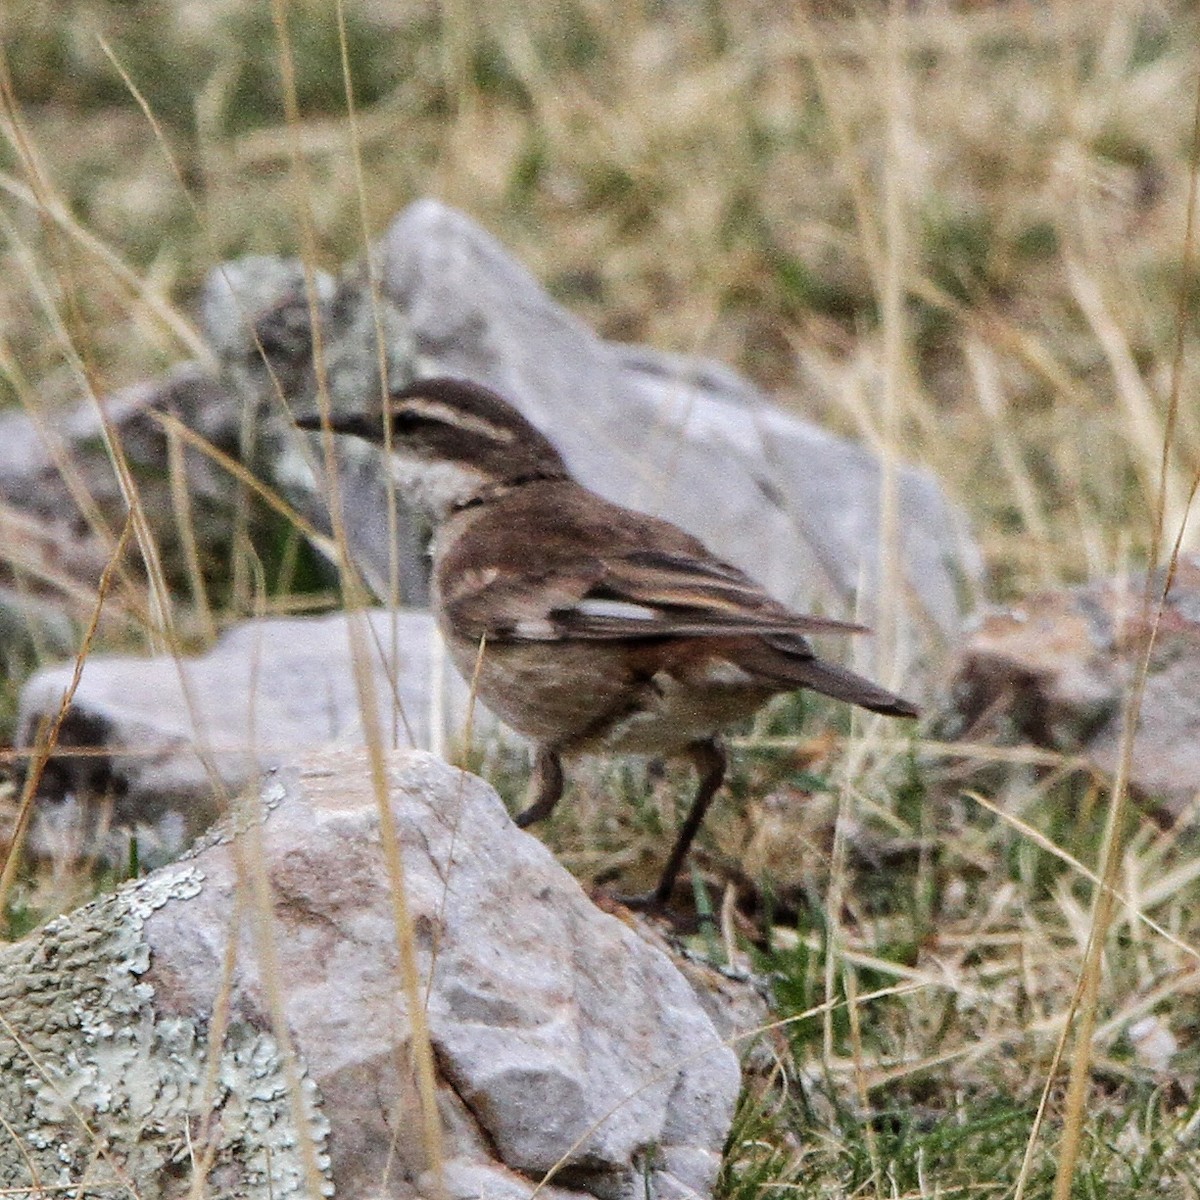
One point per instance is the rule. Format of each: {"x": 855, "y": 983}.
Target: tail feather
{"x": 806, "y": 670}
{"x": 835, "y": 681}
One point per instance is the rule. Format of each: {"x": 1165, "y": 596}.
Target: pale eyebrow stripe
{"x": 434, "y": 410}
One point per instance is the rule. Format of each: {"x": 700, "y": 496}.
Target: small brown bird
{"x": 603, "y": 629}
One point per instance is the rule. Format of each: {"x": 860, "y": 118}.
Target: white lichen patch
{"x": 248, "y": 810}
{"x": 101, "y": 1093}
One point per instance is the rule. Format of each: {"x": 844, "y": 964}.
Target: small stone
{"x": 1154, "y": 1044}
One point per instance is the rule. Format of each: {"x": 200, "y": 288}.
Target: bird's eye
{"x": 405, "y": 421}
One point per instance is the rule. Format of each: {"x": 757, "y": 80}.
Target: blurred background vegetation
{"x": 710, "y": 178}
{"x": 737, "y": 178}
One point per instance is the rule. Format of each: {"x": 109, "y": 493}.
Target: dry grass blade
{"x": 72, "y": 332}
{"x": 182, "y": 506}
{"x": 1085, "y": 1003}
{"x": 48, "y": 736}
{"x": 269, "y": 496}
{"x": 1142, "y": 422}
{"x": 984, "y": 374}
{"x": 897, "y": 373}
{"x": 181, "y": 329}
{"x": 368, "y": 704}
{"x": 1134, "y": 911}
{"x": 250, "y": 858}
{"x": 31, "y": 551}
{"x": 218, "y": 1025}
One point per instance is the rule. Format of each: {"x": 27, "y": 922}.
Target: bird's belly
{"x": 576, "y": 699}
{"x": 552, "y": 694}
{"x": 672, "y": 714}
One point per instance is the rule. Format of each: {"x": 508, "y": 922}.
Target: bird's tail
{"x": 835, "y": 681}
{"x": 805, "y": 670}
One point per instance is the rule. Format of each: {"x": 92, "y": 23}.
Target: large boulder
{"x": 680, "y": 437}
{"x": 143, "y": 1052}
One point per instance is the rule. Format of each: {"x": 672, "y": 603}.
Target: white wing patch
{"x": 623, "y": 609}
{"x": 537, "y": 629}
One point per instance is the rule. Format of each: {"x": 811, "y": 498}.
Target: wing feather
{"x": 632, "y": 596}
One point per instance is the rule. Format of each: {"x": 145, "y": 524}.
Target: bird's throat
{"x": 438, "y": 489}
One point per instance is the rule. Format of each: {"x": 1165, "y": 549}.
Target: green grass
{"x": 937, "y": 1090}
{"x": 811, "y": 1139}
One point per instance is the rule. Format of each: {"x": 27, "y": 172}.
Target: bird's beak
{"x": 363, "y": 425}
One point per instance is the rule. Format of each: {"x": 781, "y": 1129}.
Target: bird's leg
{"x": 708, "y": 757}
{"x": 546, "y": 786}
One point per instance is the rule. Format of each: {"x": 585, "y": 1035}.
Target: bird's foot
{"x": 650, "y": 903}
{"x": 681, "y": 921}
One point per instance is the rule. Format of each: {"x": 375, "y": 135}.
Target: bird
{"x": 588, "y": 627}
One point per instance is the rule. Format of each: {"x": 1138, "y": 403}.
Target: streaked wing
{"x": 641, "y": 594}
{"x": 707, "y": 593}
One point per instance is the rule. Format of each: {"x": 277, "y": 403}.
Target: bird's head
{"x": 452, "y": 440}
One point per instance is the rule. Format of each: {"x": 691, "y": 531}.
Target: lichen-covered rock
{"x": 100, "y": 1089}
{"x": 557, "y": 1032}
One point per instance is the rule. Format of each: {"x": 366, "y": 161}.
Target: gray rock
{"x": 58, "y": 472}
{"x": 32, "y": 454}
{"x": 679, "y": 437}
{"x": 31, "y": 628}
{"x": 169, "y": 741}
{"x": 238, "y": 294}
{"x": 676, "y": 436}
{"x": 682, "y": 438}
{"x": 61, "y": 500}
{"x": 258, "y": 316}
{"x": 1055, "y": 669}
{"x": 557, "y": 1033}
